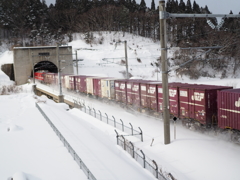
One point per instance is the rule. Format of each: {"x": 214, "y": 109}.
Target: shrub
{"x": 6, "y": 90}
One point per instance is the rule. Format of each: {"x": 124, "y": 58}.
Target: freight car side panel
{"x": 72, "y": 83}
{"x": 67, "y": 84}
{"x": 133, "y": 93}
{"x": 107, "y": 88}
{"x": 89, "y": 84}
{"x": 121, "y": 91}
{"x": 130, "y": 93}
{"x": 160, "y": 98}
{"x": 199, "y": 106}
{"x": 229, "y": 109}
{"x": 97, "y": 86}
{"x": 78, "y": 83}
{"x": 152, "y": 102}
{"x": 173, "y": 101}
{"x": 184, "y": 102}
{"x": 143, "y": 91}
{"x": 83, "y": 84}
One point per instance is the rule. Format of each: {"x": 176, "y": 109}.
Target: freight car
{"x": 205, "y": 105}
{"x": 229, "y": 109}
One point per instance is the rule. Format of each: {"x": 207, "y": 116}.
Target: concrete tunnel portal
{"x": 45, "y": 66}
{"x": 40, "y": 59}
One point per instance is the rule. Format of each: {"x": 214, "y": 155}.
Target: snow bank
{"x": 6, "y": 57}
{"x": 13, "y": 128}
{"x": 19, "y": 176}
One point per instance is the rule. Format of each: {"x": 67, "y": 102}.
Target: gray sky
{"x": 215, "y": 6}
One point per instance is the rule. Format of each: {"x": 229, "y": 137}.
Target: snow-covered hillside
{"x": 30, "y": 149}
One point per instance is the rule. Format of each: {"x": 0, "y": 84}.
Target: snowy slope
{"x": 29, "y": 152}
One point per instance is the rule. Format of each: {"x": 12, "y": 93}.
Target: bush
{"x": 6, "y": 90}
{"x": 139, "y": 60}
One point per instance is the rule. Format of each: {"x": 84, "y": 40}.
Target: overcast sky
{"x": 215, "y": 6}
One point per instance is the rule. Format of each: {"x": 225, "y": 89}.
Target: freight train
{"x": 207, "y": 106}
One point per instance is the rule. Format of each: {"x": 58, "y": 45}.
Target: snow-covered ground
{"x": 30, "y": 148}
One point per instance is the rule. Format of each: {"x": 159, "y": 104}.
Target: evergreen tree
{"x": 189, "y": 6}
{"x": 153, "y": 5}
{"x": 142, "y": 5}
{"x": 182, "y": 6}
{"x": 196, "y": 8}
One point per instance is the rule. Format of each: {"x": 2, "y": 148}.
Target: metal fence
{"x": 140, "y": 157}
{"x": 68, "y": 146}
{"x": 109, "y": 120}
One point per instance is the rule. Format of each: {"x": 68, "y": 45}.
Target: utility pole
{"x": 33, "y": 68}
{"x": 163, "y": 15}
{"x": 60, "y": 96}
{"x": 76, "y": 62}
{"x": 163, "y": 39}
{"x": 126, "y": 59}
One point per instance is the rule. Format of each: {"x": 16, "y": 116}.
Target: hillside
{"x": 192, "y": 155}
{"x": 104, "y": 54}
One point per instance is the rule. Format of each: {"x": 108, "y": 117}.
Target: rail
{"x": 68, "y": 146}
{"x": 109, "y": 120}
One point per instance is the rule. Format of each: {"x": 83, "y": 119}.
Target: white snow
{"x": 31, "y": 150}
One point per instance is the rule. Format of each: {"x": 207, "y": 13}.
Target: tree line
{"x": 32, "y": 22}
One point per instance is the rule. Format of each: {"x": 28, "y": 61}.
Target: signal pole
{"x": 163, "y": 15}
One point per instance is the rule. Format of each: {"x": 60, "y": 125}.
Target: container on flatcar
{"x": 108, "y": 88}
{"x": 173, "y": 97}
{"x": 90, "y": 84}
{"x": 133, "y": 92}
{"x": 121, "y": 90}
{"x": 97, "y": 86}
{"x": 50, "y": 78}
{"x": 81, "y": 83}
{"x": 229, "y": 109}
{"x": 199, "y": 102}
{"x": 65, "y": 80}
{"x": 69, "y": 82}
{"x": 149, "y": 95}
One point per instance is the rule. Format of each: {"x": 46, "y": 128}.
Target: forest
{"x": 32, "y": 23}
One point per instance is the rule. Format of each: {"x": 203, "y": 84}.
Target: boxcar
{"x": 199, "y": 102}
{"x": 229, "y": 109}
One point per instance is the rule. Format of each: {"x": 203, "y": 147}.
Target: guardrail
{"x": 68, "y": 146}
{"x": 109, "y": 120}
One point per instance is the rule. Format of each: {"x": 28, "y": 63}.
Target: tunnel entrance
{"x": 45, "y": 66}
